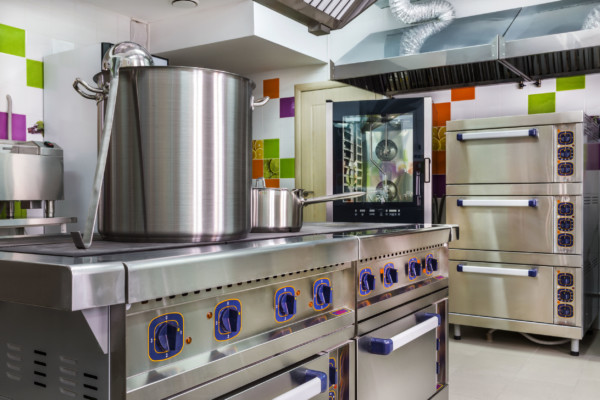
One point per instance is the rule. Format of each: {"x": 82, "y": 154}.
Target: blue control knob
{"x": 431, "y": 265}
{"x": 391, "y": 276}
{"x": 228, "y": 320}
{"x": 167, "y": 337}
{"x": 287, "y": 304}
{"x": 367, "y": 282}
{"x": 323, "y": 295}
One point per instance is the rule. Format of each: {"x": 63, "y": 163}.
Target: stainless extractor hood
{"x": 519, "y": 45}
{"x": 320, "y": 16}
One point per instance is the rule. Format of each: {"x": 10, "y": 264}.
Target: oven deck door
{"x": 399, "y": 357}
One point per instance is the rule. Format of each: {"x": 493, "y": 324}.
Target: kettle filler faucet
{"x": 123, "y": 54}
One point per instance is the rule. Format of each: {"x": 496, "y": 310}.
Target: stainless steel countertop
{"x": 50, "y": 272}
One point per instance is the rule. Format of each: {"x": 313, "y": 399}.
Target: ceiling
{"x": 243, "y": 56}
{"x": 154, "y": 10}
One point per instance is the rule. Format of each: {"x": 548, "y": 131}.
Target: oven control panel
{"x": 565, "y": 154}
{"x": 381, "y": 278}
{"x": 565, "y": 296}
{"x": 565, "y": 224}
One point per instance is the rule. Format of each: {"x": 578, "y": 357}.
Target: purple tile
{"x": 439, "y": 185}
{"x": 286, "y": 107}
{"x": 18, "y": 126}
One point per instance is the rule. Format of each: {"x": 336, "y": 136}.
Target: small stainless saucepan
{"x": 280, "y": 210}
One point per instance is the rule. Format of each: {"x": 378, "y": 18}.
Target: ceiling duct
{"x": 320, "y": 16}
{"x": 524, "y": 44}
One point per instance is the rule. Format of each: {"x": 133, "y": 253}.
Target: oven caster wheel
{"x": 457, "y": 335}
{"x": 575, "y": 348}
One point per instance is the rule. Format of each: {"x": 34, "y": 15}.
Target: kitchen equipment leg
{"x": 575, "y": 347}
{"x": 11, "y": 210}
{"x": 457, "y": 332}
{"x": 49, "y": 209}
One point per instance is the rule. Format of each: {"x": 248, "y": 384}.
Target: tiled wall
{"x": 554, "y": 95}
{"x": 273, "y": 124}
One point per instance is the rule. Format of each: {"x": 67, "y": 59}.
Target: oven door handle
{"x": 461, "y": 137}
{"x": 312, "y": 382}
{"x": 386, "y": 346}
{"x": 497, "y": 203}
{"x": 497, "y": 271}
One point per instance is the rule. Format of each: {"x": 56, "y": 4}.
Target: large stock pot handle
{"x": 258, "y": 103}
{"x": 98, "y": 93}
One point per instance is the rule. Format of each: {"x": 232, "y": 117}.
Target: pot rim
{"x": 190, "y": 69}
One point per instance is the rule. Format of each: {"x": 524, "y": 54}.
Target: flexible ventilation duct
{"x": 435, "y": 15}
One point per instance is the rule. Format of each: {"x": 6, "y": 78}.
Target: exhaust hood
{"x": 519, "y": 45}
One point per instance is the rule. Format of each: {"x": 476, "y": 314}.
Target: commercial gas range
{"x": 292, "y": 316}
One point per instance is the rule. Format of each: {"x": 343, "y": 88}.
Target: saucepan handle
{"x": 332, "y": 197}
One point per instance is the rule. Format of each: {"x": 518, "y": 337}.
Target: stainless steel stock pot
{"x": 179, "y": 164}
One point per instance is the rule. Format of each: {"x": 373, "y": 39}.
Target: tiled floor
{"x": 510, "y": 367}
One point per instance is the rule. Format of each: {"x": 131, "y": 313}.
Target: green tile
{"x": 271, "y": 168}
{"x": 35, "y": 74}
{"x": 542, "y": 103}
{"x": 286, "y": 168}
{"x": 570, "y": 83}
{"x": 12, "y": 40}
{"x": 271, "y": 148}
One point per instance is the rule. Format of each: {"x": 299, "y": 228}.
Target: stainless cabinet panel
{"x": 503, "y": 296}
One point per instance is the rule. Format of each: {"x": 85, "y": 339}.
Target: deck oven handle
{"x": 497, "y": 271}
{"x": 386, "y": 346}
{"x": 312, "y": 382}
{"x": 462, "y": 137}
{"x": 497, "y": 203}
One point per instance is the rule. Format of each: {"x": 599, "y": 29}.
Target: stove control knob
{"x": 391, "y": 276}
{"x": 413, "y": 268}
{"x": 287, "y": 304}
{"x": 228, "y": 320}
{"x": 367, "y": 282}
{"x": 167, "y": 336}
{"x": 431, "y": 265}
{"x": 323, "y": 295}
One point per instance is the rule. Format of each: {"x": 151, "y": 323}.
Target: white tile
{"x": 13, "y": 81}
{"x": 480, "y": 385}
{"x": 286, "y": 138}
{"x": 513, "y": 101}
{"x": 487, "y": 101}
{"x": 532, "y": 389}
{"x": 287, "y": 183}
{"x": 35, "y": 110}
{"x": 465, "y": 109}
{"x": 570, "y": 100}
{"x": 547, "y": 85}
{"x": 257, "y": 124}
{"x": 37, "y": 46}
{"x": 12, "y": 13}
{"x": 271, "y": 121}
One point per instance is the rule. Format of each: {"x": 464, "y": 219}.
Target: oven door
{"x": 533, "y": 154}
{"x": 381, "y": 147}
{"x": 533, "y": 224}
{"x": 403, "y": 356}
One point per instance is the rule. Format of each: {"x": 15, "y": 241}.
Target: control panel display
{"x": 565, "y": 297}
{"x": 165, "y": 336}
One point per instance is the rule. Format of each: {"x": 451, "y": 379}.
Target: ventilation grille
{"x": 484, "y": 73}
{"x": 590, "y": 200}
{"x": 402, "y": 253}
{"x": 334, "y": 8}
{"x": 34, "y": 372}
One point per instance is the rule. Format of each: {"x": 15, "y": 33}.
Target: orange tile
{"x": 438, "y": 161}
{"x": 271, "y": 88}
{"x": 466, "y": 93}
{"x": 257, "y": 169}
{"x": 272, "y": 183}
{"x": 441, "y": 114}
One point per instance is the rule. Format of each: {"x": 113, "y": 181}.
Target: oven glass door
{"x": 379, "y": 148}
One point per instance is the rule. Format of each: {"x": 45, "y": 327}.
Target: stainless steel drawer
{"x": 533, "y": 154}
{"x": 533, "y": 224}
{"x": 399, "y": 357}
{"x": 502, "y": 290}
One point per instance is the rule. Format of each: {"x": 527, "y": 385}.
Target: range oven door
{"x": 526, "y": 223}
{"x": 526, "y": 154}
{"x": 381, "y": 147}
{"x": 406, "y": 355}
